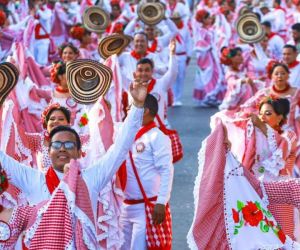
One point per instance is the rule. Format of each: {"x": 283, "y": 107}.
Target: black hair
{"x": 151, "y": 103}
{"x": 266, "y": 23}
{"x": 289, "y": 46}
{"x": 68, "y": 45}
{"x": 257, "y": 15}
{"x": 296, "y": 27}
{"x": 141, "y": 33}
{"x": 145, "y": 61}
{"x": 278, "y": 2}
{"x": 66, "y": 129}
{"x": 281, "y": 106}
{"x": 64, "y": 110}
{"x": 279, "y": 64}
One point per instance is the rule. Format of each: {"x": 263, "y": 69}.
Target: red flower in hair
{"x": 46, "y": 112}
{"x": 296, "y": 2}
{"x": 54, "y": 72}
{"x": 225, "y": 56}
{"x": 77, "y": 32}
{"x": 3, "y": 180}
{"x": 200, "y": 15}
{"x": 118, "y": 28}
{"x": 114, "y": 2}
{"x": 4, "y": 2}
{"x": 224, "y": 10}
{"x": 270, "y": 67}
{"x": 2, "y": 18}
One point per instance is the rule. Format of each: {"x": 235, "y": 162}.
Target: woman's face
{"x": 280, "y": 76}
{"x": 237, "y": 59}
{"x": 57, "y": 118}
{"x": 68, "y": 55}
{"x": 268, "y": 116}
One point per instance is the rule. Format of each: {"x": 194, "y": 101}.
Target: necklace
{"x": 280, "y": 91}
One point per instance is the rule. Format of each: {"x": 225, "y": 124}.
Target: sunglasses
{"x": 68, "y": 145}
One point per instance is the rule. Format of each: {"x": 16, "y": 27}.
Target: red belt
{"x": 134, "y": 202}
{"x": 181, "y": 54}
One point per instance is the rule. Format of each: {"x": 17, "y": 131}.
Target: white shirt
{"x": 33, "y": 182}
{"x": 294, "y": 79}
{"x": 275, "y": 46}
{"x": 154, "y": 166}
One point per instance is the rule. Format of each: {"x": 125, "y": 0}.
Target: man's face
{"x": 289, "y": 55}
{"x": 150, "y": 31}
{"x": 144, "y": 72}
{"x": 140, "y": 44}
{"x": 296, "y": 35}
{"x": 62, "y": 156}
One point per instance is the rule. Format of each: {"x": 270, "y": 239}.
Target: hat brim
{"x": 9, "y": 75}
{"x": 95, "y": 19}
{"x": 113, "y": 44}
{"x": 87, "y": 80}
{"x": 151, "y": 13}
{"x": 249, "y": 28}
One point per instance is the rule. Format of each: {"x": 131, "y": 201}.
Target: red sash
{"x": 37, "y": 31}
{"x": 52, "y": 180}
{"x": 271, "y": 35}
{"x": 151, "y": 85}
{"x": 138, "y": 56}
{"x": 153, "y": 46}
{"x": 122, "y": 172}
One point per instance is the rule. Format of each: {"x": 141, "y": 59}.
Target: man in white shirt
{"x": 158, "y": 86}
{"x": 295, "y": 36}
{"x": 275, "y": 42}
{"x": 65, "y": 145}
{"x": 152, "y": 156}
{"x": 290, "y": 58}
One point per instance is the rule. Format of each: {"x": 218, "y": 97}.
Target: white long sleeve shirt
{"x": 154, "y": 166}
{"x": 33, "y": 182}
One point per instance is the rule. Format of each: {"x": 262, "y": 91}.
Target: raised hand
{"x": 138, "y": 91}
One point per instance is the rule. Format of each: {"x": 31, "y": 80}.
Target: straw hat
{"x": 249, "y": 28}
{"x": 8, "y": 79}
{"x": 113, "y": 44}
{"x": 87, "y": 80}
{"x": 151, "y": 13}
{"x": 95, "y": 19}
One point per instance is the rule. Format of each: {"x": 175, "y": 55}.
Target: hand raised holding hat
{"x": 138, "y": 91}
{"x": 172, "y": 46}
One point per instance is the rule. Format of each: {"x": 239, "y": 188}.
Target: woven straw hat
{"x": 9, "y": 75}
{"x": 151, "y": 13}
{"x": 87, "y": 80}
{"x": 95, "y": 19}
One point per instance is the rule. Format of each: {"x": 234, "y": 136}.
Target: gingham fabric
{"x": 177, "y": 149}
{"x": 158, "y": 237}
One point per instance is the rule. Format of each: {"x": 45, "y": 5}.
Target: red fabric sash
{"x": 52, "y": 180}
{"x": 37, "y": 31}
{"x": 153, "y": 47}
{"x": 293, "y": 64}
{"x": 151, "y": 85}
{"x": 122, "y": 172}
{"x": 138, "y": 56}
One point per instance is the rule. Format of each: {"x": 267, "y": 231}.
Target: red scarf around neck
{"x": 293, "y": 64}
{"x": 52, "y": 180}
{"x": 151, "y": 85}
{"x": 272, "y": 34}
{"x": 153, "y": 46}
{"x": 138, "y": 56}
{"x": 143, "y": 130}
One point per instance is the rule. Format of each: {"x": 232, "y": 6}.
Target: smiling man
{"x": 65, "y": 145}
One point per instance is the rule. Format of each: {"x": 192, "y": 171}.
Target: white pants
{"x": 133, "y": 223}
{"x": 41, "y": 51}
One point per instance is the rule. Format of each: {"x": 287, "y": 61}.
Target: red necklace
{"x": 60, "y": 90}
{"x": 280, "y": 91}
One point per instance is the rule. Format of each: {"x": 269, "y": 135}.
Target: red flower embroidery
{"x": 281, "y": 236}
{"x": 252, "y": 214}
{"x": 235, "y": 216}
{"x": 83, "y": 120}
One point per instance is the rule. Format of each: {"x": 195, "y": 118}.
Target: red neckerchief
{"x": 60, "y": 90}
{"x": 271, "y": 35}
{"x": 151, "y": 85}
{"x": 153, "y": 46}
{"x": 37, "y": 30}
{"x": 144, "y": 130}
{"x": 280, "y": 8}
{"x": 293, "y": 64}
{"x": 138, "y": 56}
{"x": 52, "y": 180}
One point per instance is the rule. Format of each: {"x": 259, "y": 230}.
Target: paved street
{"x": 193, "y": 126}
